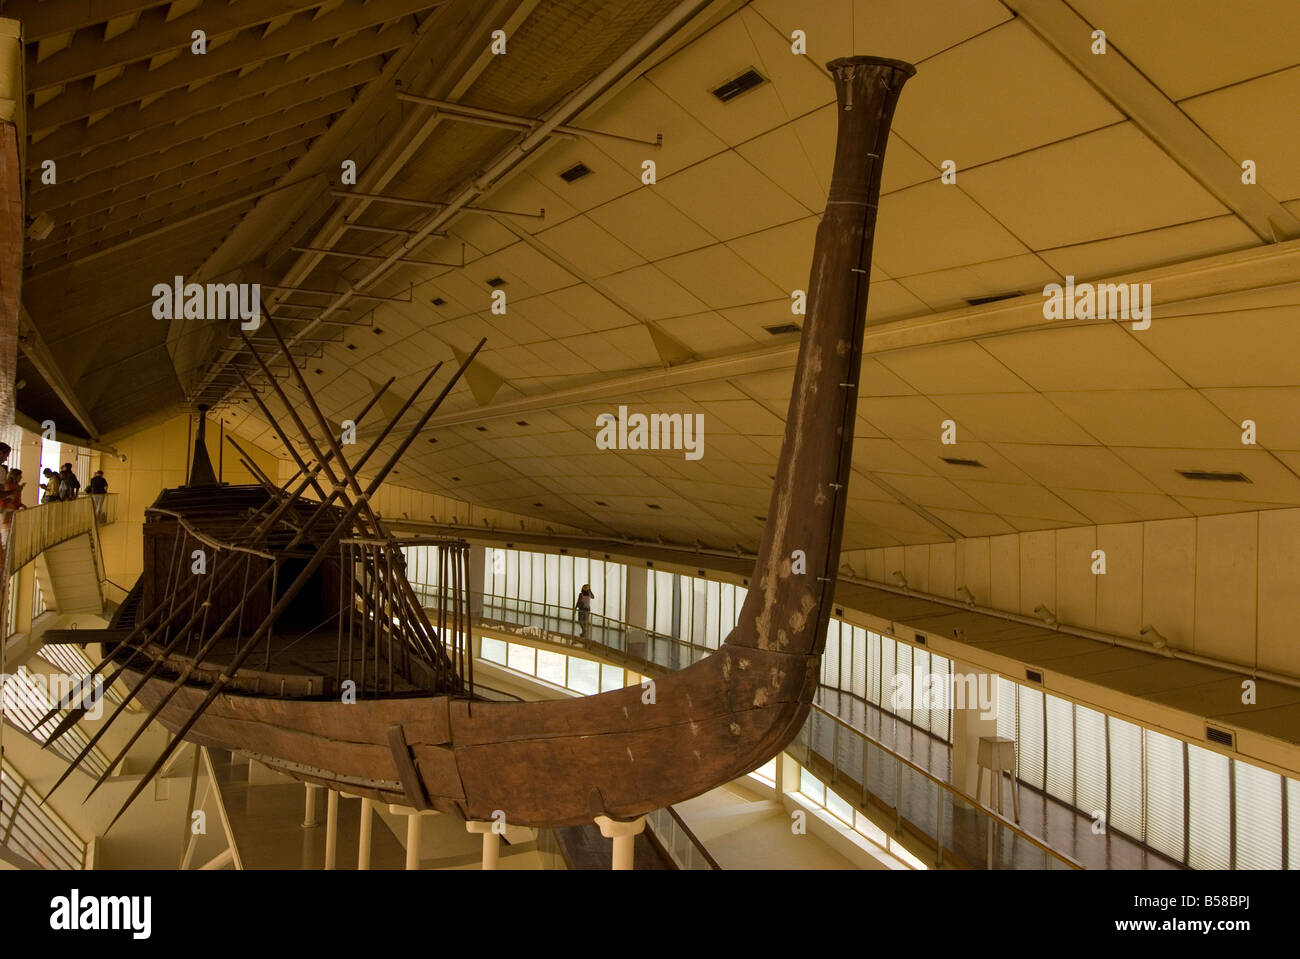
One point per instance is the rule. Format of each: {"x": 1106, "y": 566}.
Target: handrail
{"x": 38, "y": 528}
{"x": 690, "y": 835}
{"x": 588, "y": 640}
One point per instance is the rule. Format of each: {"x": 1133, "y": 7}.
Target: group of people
{"x": 62, "y": 485}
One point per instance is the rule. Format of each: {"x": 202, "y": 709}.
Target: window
{"x": 1164, "y": 792}
{"x": 1209, "y": 810}
{"x": 32, "y": 830}
{"x": 1257, "y": 795}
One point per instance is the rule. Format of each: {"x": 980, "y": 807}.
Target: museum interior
{"x": 457, "y": 435}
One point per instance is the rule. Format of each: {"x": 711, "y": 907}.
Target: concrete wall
{"x": 1218, "y": 586}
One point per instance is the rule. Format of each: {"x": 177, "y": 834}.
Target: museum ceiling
{"x": 671, "y": 296}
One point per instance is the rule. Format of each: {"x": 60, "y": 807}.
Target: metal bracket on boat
{"x": 407, "y": 774}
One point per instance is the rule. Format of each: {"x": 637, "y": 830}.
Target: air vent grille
{"x": 1220, "y": 737}
{"x": 957, "y": 461}
{"x": 496, "y": 281}
{"x": 575, "y": 172}
{"x": 1213, "y": 476}
{"x": 981, "y": 300}
{"x": 782, "y": 329}
{"x": 742, "y": 84}
{"x": 920, "y": 639}
{"x": 1034, "y": 676}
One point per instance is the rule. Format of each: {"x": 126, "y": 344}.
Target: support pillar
{"x": 363, "y": 840}
{"x": 309, "y": 818}
{"x": 624, "y": 836}
{"x": 974, "y": 714}
{"x": 491, "y": 840}
{"x": 413, "y": 823}
{"x": 331, "y": 827}
{"x": 634, "y": 599}
{"x": 477, "y": 568}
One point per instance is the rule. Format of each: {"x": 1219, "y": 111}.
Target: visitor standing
{"x": 98, "y": 489}
{"x": 69, "y": 485}
{"x": 51, "y": 486}
{"x": 583, "y": 606}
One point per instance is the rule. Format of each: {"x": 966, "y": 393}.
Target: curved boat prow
{"x": 620, "y": 756}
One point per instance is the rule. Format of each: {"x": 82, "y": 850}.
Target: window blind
{"x": 1091, "y": 759}
{"x": 1164, "y": 793}
{"x": 1258, "y": 808}
{"x": 1031, "y": 736}
{"x": 1060, "y": 749}
{"x": 1209, "y": 821}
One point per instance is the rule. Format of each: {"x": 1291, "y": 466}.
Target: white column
{"x": 624, "y": 836}
{"x": 413, "y": 823}
{"x": 477, "y": 568}
{"x": 491, "y": 841}
{"x": 363, "y": 840}
{"x": 331, "y": 826}
{"x": 309, "y": 818}
{"x": 634, "y": 600}
{"x": 976, "y": 692}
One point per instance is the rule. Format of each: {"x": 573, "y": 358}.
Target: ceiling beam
{"x": 140, "y": 82}
{"x": 189, "y": 145}
{"x": 38, "y": 352}
{"x": 43, "y": 19}
{"x": 245, "y": 100}
{"x": 1158, "y": 117}
{"x": 70, "y": 202}
{"x": 89, "y": 53}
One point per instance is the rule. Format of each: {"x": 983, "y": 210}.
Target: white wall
{"x": 1226, "y": 587}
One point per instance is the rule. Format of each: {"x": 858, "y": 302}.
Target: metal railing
{"x": 961, "y": 831}
{"x": 675, "y": 837}
{"x": 38, "y": 528}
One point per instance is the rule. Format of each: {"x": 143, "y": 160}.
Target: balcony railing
{"x": 38, "y": 528}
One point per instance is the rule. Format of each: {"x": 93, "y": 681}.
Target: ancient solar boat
{"x": 261, "y": 607}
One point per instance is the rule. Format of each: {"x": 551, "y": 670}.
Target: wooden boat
{"x": 417, "y": 733}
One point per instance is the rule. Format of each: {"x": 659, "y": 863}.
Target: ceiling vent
{"x": 600, "y": 502}
{"x": 496, "y": 281}
{"x": 438, "y": 301}
{"x": 1220, "y": 737}
{"x": 521, "y": 422}
{"x": 782, "y": 329}
{"x": 957, "y": 461}
{"x": 742, "y": 84}
{"x": 1034, "y": 676}
{"x": 575, "y": 172}
{"x": 1213, "y": 476}
{"x": 920, "y": 639}
{"x": 981, "y": 300}
{"x": 654, "y": 506}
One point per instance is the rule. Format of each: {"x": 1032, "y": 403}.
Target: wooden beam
{"x": 150, "y": 155}
{"x": 89, "y": 53}
{"x": 49, "y": 18}
{"x": 73, "y": 201}
{"x": 174, "y": 120}
{"x": 140, "y": 82}
{"x": 38, "y": 352}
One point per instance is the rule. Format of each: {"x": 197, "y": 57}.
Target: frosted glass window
{"x": 1090, "y": 760}
{"x": 584, "y": 676}
{"x": 869, "y": 829}
{"x": 812, "y": 787}
{"x": 941, "y": 713}
{"x": 838, "y": 808}
{"x": 552, "y": 580}
{"x": 921, "y": 688}
{"x": 1060, "y": 749}
{"x": 831, "y": 658}
{"x": 522, "y": 658}
{"x": 550, "y": 666}
{"x": 1126, "y": 777}
{"x": 615, "y": 605}
{"x": 611, "y": 677}
{"x": 1258, "y": 801}
{"x": 727, "y": 608}
{"x": 512, "y": 573}
{"x": 1007, "y": 709}
{"x": 1031, "y": 736}
{"x": 713, "y": 624}
{"x": 663, "y": 605}
{"x": 1293, "y": 821}
{"x": 525, "y": 577}
{"x": 873, "y": 667}
{"x": 1164, "y": 792}
{"x": 859, "y": 640}
{"x": 493, "y": 650}
{"x": 903, "y": 680}
{"x": 1209, "y": 808}
{"x": 887, "y": 673}
{"x": 568, "y": 587}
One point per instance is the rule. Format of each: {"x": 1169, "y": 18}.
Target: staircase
{"x": 69, "y": 576}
